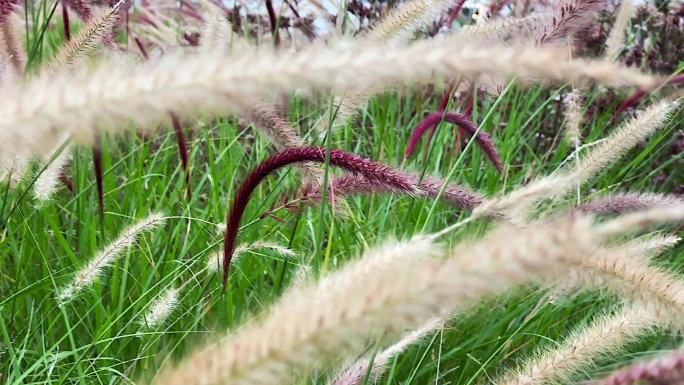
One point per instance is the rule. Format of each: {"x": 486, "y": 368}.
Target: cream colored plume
{"x": 584, "y": 346}
{"x": 615, "y": 42}
{"x": 311, "y": 325}
{"x": 46, "y": 183}
{"x": 85, "y": 42}
{"x": 89, "y": 273}
{"x": 598, "y": 157}
{"x": 112, "y": 96}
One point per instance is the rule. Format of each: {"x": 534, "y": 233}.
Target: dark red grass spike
{"x": 636, "y": 97}
{"x": 454, "y": 12}
{"x": 141, "y": 47}
{"x": 65, "y": 21}
{"x": 350, "y": 184}
{"x": 66, "y": 181}
{"x": 482, "y": 139}
{"x": 443, "y": 103}
{"x": 374, "y": 172}
{"x": 97, "y": 162}
{"x": 273, "y": 19}
{"x": 183, "y": 152}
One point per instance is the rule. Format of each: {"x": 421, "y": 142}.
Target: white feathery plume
{"x": 215, "y": 260}
{"x": 598, "y": 158}
{"x": 584, "y": 273}
{"x": 216, "y": 31}
{"x": 87, "y": 39}
{"x": 91, "y": 271}
{"x": 14, "y": 171}
{"x": 622, "y": 139}
{"x": 46, "y": 183}
{"x": 615, "y": 42}
{"x": 111, "y": 95}
{"x": 402, "y": 22}
{"x": 161, "y": 308}
{"x": 573, "y": 117}
{"x": 642, "y": 219}
{"x": 355, "y": 373}
{"x": 313, "y": 324}
{"x": 585, "y": 345}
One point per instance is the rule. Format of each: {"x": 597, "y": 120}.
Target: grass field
{"x": 98, "y": 338}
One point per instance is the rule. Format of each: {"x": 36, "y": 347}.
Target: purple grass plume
{"x": 483, "y": 139}
{"x": 183, "y": 152}
{"x": 97, "y": 162}
{"x": 627, "y": 202}
{"x": 65, "y": 21}
{"x": 372, "y": 171}
{"x": 6, "y": 8}
{"x": 668, "y": 369}
{"x": 349, "y": 185}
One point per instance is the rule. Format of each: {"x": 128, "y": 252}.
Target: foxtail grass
{"x": 89, "y": 273}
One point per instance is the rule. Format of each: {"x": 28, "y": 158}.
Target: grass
{"x": 96, "y": 338}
